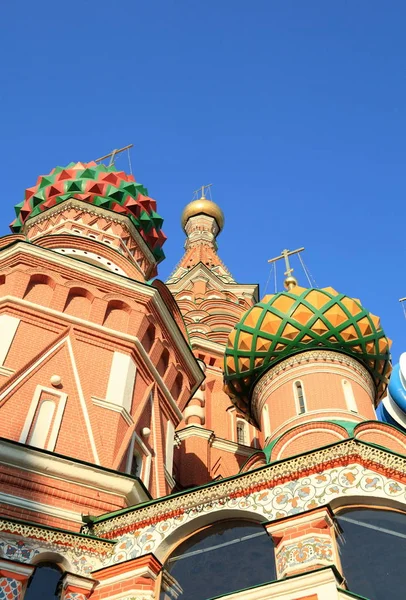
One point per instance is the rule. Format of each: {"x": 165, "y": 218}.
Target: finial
{"x": 200, "y": 205}
{"x": 202, "y": 190}
{"x": 290, "y": 281}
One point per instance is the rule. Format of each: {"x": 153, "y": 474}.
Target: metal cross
{"x": 285, "y": 254}
{"x": 113, "y": 155}
{"x": 202, "y": 191}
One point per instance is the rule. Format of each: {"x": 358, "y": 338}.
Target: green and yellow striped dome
{"x": 297, "y": 320}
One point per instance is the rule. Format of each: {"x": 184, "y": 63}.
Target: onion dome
{"x": 203, "y": 207}
{"x": 297, "y": 320}
{"x": 102, "y": 186}
{"x": 392, "y": 409}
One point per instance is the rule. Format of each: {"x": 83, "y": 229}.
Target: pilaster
{"x": 13, "y": 579}
{"x": 304, "y": 543}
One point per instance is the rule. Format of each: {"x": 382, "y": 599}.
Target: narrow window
{"x": 267, "y": 425}
{"x": 42, "y": 424}
{"x": 170, "y": 437}
{"x": 136, "y": 465}
{"x": 241, "y": 429}
{"x": 300, "y": 397}
{"x": 349, "y": 396}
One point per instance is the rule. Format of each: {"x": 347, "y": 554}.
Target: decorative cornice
{"x": 66, "y": 469}
{"x": 55, "y": 536}
{"x": 264, "y": 477}
{"x": 115, "y": 408}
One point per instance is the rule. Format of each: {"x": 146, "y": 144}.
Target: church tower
{"x": 214, "y": 437}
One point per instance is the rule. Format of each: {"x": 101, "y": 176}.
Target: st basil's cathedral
{"x": 191, "y": 439}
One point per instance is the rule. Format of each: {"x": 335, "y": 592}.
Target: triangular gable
{"x": 75, "y": 436}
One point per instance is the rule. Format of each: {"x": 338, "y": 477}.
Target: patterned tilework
{"x": 315, "y": 549}
{"x": 75, "y": 596}
{"x": 10, "y": 589}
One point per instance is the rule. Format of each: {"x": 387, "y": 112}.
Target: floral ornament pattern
{"x": 25, "y": 550}
{"x": 315, "y": 549}
{"x": 281, "y": 501}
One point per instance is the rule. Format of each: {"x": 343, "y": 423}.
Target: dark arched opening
{"x": 44, "y": 584}
{"x": 372, "y": 547}
{"x": 222, "y": 558}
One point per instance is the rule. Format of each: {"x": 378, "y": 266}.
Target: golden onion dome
{"x": 203, "y": 207}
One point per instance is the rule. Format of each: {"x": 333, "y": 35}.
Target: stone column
{"x": 13, "y": 579}
{"x": 304, "y": 542}
{"x": 133, "y": 578}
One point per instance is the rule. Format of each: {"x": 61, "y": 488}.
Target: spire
{"x": 202, "y": 221}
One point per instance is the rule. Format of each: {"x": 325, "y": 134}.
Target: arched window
{"x": 300, "y": 398}
{"x": 40, "y": 290}
{"x": 220, "y": 559}
{"x": 163, "y": 362}
{"x": 177, "y": 386}
{"x": 241, "y": 432}
{"x": 44, "y": 583}
{"x": 41, "y": 427}
{"x": 349, "y": 396}
{"x": 266, "y": 422}
{"x": 78, "y": 303}
{"x": 372, "y": 549}
{"x": 117, "y": 315}
{"x": 148, "y": 337}
{"x": 136, "y": 464}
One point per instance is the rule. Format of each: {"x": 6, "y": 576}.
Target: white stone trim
{"x": 68, "y": 470}
{"x": 146, "y": 466}
{"x": 6, "y": 371}
{"x": 349, "y": 397}
{"x": 41, "y": 507}
{"x": 97, "y": 260}
{"x": 355, "y": 418}
{"x": 115, "y": 408}
{"x": 8, "y": 329}
{"x": 17, "y": 568}
{"x": 233, "y": 447}
{"x": 154, "y": 436}
{"x": 60, "y": 401}
{"x": 120, "y": 387}
{"x": 298, "y": 435}
{"x": 170, "y": 440}
{"x": 321, "y": 583}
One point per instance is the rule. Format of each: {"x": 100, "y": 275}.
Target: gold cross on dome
{"x": 290, "y": 281}
{"x": 112, "y": 155}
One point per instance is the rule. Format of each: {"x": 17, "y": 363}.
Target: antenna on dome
{"x": 403, "y": 301}
{"x": 112, "y": 156}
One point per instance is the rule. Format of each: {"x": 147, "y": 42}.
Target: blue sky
{"x": 294, "y": 110}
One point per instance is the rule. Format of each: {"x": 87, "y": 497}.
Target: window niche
{"x": 219, "y": 560}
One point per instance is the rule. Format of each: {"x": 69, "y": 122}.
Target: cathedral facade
{"x": 185, "y": 439}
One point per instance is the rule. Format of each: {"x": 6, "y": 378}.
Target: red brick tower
{"x": 214, "y": 438}
{"x": 95, "y": 371}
